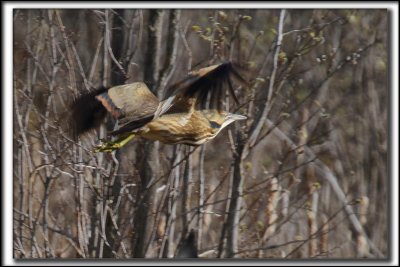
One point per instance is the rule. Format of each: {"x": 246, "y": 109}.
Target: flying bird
{"x": 191, "y": 113}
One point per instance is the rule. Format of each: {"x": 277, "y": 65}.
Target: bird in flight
{"x": 191, "y": 113}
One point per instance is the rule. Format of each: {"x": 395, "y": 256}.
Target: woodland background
{"x": 306, "y": 176}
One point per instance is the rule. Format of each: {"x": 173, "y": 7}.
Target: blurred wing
{"x": 132, "y": 104}
{"x": 202, "y": 89}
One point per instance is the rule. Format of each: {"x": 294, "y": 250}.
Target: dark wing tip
{"x": 206, "y": 86}
{"x": 211, "y": 80}
{"x": 85, "y": 113}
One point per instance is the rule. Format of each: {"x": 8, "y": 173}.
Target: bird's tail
{"x": 86, "y": 113}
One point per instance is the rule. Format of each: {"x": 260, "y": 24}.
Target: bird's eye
{"x": 215, "y": 125}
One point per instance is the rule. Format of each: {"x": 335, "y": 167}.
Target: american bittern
{"x": 191, "y": 114}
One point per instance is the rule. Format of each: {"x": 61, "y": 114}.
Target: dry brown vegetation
{"x": 306, "y": 176}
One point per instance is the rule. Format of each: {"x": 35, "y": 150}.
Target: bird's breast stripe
{"x": 105, "y": 99}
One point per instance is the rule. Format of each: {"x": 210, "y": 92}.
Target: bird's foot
{"x": 107, "y": 146}
{"x": 110, "y": 146}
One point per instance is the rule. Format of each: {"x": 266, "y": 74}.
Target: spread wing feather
{"x": 129, "y": 102}
{"x": 203, "y": 89}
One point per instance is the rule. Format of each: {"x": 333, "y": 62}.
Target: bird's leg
{"x": 109, "y": 146}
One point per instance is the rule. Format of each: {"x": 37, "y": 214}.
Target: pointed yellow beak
{"x": 235, "y": 117}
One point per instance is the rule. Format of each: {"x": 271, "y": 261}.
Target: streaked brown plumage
{"x": 190, "y": 114}
{"x": 185, "y": 128}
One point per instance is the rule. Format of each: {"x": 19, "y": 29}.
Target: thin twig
{"x": 259, "y": 124}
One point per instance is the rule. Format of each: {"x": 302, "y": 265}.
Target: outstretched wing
{"x": 202, "y": 89}
{"x": 132, "y": 104}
